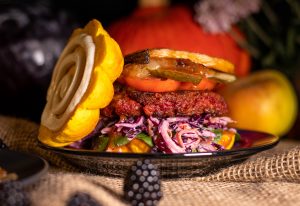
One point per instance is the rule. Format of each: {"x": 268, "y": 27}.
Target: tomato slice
{"x": 151, "y": 84}
{"x": 205, "y": 84}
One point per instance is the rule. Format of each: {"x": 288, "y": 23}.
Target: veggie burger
{"x": 155, "y": 100}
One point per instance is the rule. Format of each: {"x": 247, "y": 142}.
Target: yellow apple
{"x": 263, "y": 101}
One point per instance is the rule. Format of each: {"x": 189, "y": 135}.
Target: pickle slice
{"x": 182, "y": 70}
{"x": 181, "y": 76}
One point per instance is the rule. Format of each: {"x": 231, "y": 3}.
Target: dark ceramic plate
{"x": 28, "y": 167}
{"x": 171, "y": 165}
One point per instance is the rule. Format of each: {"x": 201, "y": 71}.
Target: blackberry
{"x": 2, "y": 145}
{"x": 82, "y": 199}
{"x": 142, "y": 185}
{"x": 12, "y": 194}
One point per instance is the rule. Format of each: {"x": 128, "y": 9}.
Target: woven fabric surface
{"x": 268, "y": 178}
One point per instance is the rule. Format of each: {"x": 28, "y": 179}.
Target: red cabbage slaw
{"x": 173, "y": 134}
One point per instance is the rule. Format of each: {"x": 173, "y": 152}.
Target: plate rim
{"x": 251, "y": 150}
{"x": 25, "y": 181}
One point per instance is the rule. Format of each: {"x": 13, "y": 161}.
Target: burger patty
{"x": 167, "y": 104}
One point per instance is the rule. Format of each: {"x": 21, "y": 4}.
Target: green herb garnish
{"x": 146, "y": 138}
{"x": 237, "y": 137}
{"x": 101, "y": 143}
{"x": 218, "y": 133}
{"x": 121, "y": 140}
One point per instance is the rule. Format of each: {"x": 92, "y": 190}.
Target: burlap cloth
{"x": 268, "y": 178}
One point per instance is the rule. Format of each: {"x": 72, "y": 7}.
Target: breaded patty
{"x": 167, "y": 104}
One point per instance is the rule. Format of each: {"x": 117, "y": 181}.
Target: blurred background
{"x": 262, "y": 39}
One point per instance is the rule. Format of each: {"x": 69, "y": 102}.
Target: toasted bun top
{"x": 218, "y": 64}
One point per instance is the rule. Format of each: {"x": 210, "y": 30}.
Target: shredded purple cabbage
{"x": 170, "y": 135}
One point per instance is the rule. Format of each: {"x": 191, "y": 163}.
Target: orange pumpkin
{"x": 173, "y": 27}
